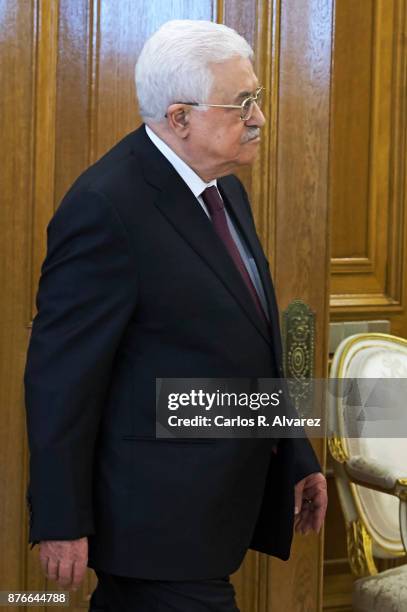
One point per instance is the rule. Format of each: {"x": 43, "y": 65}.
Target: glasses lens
{"x": 248, "y": 104}
{"x": 247, "y": 108}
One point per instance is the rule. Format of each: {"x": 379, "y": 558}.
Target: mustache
{"x": 252, "y": 132}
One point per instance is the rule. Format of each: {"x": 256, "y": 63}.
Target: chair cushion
{"x": 380, "y": 359}
{"x": 385, "y": 592}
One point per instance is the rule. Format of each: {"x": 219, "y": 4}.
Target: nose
{"x": 257, "y": 119}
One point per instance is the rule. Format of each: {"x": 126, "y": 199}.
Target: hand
{"x": 311, "y": 500}
{"x": 64, "y": 561}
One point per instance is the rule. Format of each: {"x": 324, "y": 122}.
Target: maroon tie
{"x": 216, "y": 209}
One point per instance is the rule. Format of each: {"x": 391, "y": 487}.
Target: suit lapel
{"x": 178, "y": 204}
{"x": 233, "y": 199}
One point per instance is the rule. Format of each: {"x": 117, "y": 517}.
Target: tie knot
{"x": 212, "y": 199}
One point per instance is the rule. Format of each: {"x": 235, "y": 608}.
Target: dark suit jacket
{"x": 137, "y": 285}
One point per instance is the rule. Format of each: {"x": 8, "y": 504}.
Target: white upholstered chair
{"x": 371, "y": 475}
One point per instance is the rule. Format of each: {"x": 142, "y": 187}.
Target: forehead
{"x": 232, "y": 77}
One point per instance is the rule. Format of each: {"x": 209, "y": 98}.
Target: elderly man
{"x": 154, "y": 269}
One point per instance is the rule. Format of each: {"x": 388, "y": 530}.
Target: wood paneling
{"x": 17, "y": 36}
{"x": 368, "y": 159}
{"x": 74, "y": 92}
{"x": 44, "y": 72}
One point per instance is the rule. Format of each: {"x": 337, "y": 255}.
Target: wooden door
{"x": 66, "y": 69}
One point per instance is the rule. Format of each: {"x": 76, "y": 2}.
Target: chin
{"x": 247, "y": 159}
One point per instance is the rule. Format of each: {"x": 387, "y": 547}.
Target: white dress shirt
{"x": 197, "y": 186}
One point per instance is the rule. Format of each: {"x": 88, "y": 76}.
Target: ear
{"x": 178, "y": 119}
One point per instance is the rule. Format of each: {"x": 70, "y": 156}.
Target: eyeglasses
{"x": 246, "y": 107}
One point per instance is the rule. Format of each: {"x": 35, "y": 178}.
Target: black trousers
{"x": 120, "y": 594}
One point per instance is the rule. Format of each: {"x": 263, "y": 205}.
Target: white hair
{"x": 173, "y": 65}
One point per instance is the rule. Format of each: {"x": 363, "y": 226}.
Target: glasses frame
{"x": 251, "y": 99}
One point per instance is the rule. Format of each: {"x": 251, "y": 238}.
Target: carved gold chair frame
{"x": 353, "y": 475}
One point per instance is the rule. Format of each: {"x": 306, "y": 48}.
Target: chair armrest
{"x": 375, "y": 475}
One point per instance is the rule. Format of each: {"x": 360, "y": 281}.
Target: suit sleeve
{"x": 305, "y": 460}
{"x": 86, "y": 296}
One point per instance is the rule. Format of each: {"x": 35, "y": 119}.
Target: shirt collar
{"x": 194, "y": 182}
